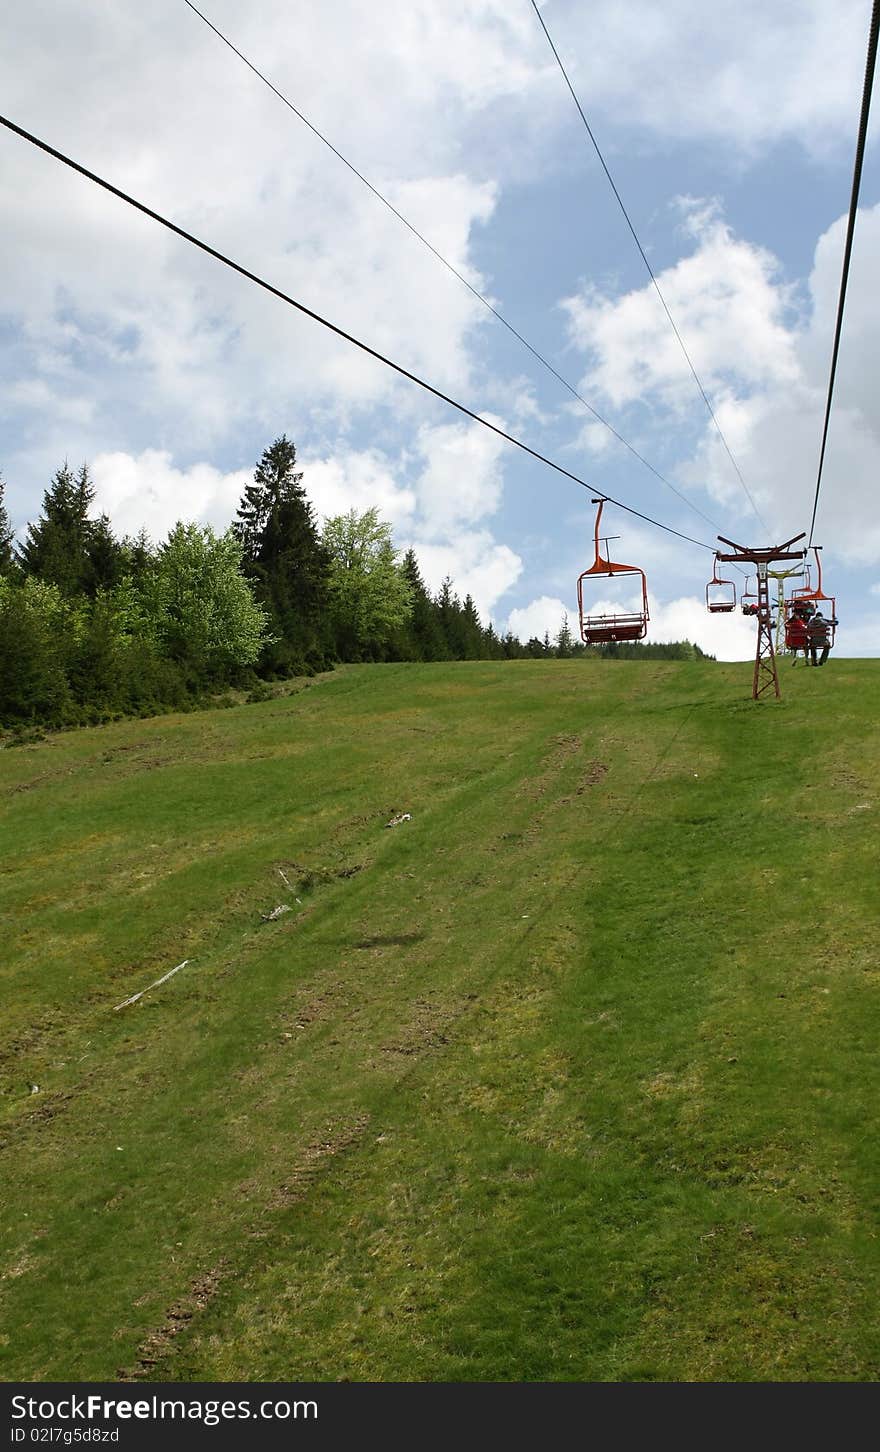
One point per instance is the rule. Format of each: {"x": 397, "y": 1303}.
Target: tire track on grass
{"x": 421, "y": 1051}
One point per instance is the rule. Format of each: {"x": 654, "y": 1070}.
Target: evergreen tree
{"x": 56, "y": 550}
{"x": 284, "y": 557}
{"x": 449, "y": 613}
{"x": 493, "y": 646}
{"x": 424, "y": 629}
{"x": 275, "y": 479}
{"x": 471, "y": 631}
{"x": 137, "y": 555}
{"x": 564, "y": 640}
{"x": 6, "y": 536}
{"x": 105, "y": 555}
{"x": 95, "y": 664}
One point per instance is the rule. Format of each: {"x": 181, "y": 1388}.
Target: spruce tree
{"x": 57, "y": 546}
{"x": 6, "y": 535}
{"x": 450, "y": 614}
{"x": 106, "y": 557}
{"x": 284, "y": 557}
{"x": 137, "y": 554}
{"x": 471, "y": 631}
{"x": 564, "y": 640}
{"x": 424, "y": 628}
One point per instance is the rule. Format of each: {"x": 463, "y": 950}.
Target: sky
{"x": 730, "y": 133}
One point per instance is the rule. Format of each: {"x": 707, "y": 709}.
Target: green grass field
{"x": 570, "y": 1077}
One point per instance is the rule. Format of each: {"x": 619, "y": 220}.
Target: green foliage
{"x": 137, "y": 628}
{"x": 33, "y": 631}
{"x": 6, "y": 534}
{"x": 638, "y": 650}
{"x": 198, "y": 605}
{"x": 106, "y": 558}
{"x": 136, "y": 555}
{"x": 95, "y": 662}
{"x": 370, "y": 594}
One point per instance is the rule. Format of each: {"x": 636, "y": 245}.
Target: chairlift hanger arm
{"x": 761, "y": 557}
{"x": 767, "y": 556}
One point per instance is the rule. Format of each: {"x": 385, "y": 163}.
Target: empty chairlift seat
{"x": 720, "y": 594}
{"x": 604, "y": 628}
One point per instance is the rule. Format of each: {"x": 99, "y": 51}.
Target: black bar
{"x": 317, "y": 1414}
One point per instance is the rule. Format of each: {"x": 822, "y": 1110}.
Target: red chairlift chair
{"x": 605, "y": 629}
{"x": 723, "y": 603}
{"x": 805, "y": 596}
{"x": 749, "y": 598}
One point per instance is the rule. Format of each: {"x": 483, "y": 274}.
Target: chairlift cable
{"x": 448, "y": 265}
{"x": 850, "y": 230}
{"x": 644, "y": 257}
{"x": 332, "y": 327}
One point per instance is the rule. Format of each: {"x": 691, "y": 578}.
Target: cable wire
{"x": 850, "y": 230}
{"x": 447, "y": 264}
{"x": 644, "y": 257}
{"x": 332, "y": 327}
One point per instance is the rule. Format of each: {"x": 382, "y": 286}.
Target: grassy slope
{"x": 572, "y": 1078}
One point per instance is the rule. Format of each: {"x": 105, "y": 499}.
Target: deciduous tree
{"x": 199, "y": 605}
{"x": 370, "y": 595}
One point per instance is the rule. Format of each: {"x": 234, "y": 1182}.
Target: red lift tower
{"x": 766, "y": 675}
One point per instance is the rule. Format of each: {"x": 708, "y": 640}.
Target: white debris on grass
{"x": 275, "y": 913}
{"x": 165, "y": 976}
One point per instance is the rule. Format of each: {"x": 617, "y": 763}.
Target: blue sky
{"x": 730, "y": 131}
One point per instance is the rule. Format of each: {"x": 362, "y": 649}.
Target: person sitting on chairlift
{"x": 796, "y": 636}
{"x": 819, "y": 630}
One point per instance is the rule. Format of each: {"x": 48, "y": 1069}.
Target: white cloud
{"x": 767, "y": 367}
{"x": 111, "y": 306}
{"x": 740, "y": 71}
{"x": 782, "y": 420}
{"x": 729, "y": 307}
{"x": 349, "y": 479}
{"x": 458, "y": 485}
{"x": 149, "y": 491}
{"x": 477, "y": 564}
{"x": 728, "y": 637}
{"x": 540, "y": 617}
{"x": 461, "y": 481}
{"x": 862, "y": 638}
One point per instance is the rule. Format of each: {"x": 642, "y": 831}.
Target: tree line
{"x": 93, "y": 627}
